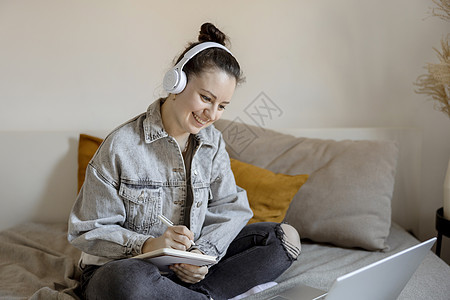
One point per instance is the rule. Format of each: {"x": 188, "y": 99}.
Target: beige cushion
{"x": 347, "y": 199}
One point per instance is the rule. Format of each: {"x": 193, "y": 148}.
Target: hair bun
{"x": 210, "y": 33}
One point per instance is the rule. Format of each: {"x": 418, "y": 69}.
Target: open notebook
{"x": 165, "y": 257}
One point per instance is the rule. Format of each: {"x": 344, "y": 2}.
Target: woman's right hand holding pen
{"x": 176, "y": 237}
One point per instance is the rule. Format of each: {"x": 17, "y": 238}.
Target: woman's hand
{"x": 175, "y": 237}
{"x": 178, "y": 237}
{"x": 189, "y": 273}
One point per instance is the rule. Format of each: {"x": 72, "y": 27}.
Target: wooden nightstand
{"x": 442, "y": 227}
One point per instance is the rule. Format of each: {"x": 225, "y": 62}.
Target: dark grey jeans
{"x": 259, "y": 254}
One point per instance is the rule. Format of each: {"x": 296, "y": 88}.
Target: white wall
{"x": 90, "y": 65}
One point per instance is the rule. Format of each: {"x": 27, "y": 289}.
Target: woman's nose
{"x": 211, "y": 113}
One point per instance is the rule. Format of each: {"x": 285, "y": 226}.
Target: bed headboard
{"x": 38, "y": 174}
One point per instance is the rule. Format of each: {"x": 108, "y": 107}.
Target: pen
{"x": 169, "y": 223}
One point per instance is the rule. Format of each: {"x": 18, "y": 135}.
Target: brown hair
{"x": 212, "y": 57}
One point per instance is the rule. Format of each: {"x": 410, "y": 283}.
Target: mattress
{"x": 37, "y": 262}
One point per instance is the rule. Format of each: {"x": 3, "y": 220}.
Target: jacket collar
{"x": 154, "y": 129}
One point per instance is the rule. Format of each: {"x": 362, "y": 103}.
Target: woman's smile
{"x": 199, "y": 120}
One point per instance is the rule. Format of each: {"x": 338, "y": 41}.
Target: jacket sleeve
{"x": 228, "y": 209}
{"x": 98, "y": 215}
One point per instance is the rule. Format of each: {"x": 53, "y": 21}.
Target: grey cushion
{"x": 347, "y": 198}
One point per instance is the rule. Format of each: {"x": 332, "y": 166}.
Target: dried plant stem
{"x": 442, "y": 10}
{"x": 436, "y": 83}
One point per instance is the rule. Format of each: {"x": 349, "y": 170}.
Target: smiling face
{"x": 200, "y": 104}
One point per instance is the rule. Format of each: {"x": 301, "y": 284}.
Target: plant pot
{"x": 447, "y": 193}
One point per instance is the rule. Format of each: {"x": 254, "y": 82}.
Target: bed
{"x": 351, "y": 211}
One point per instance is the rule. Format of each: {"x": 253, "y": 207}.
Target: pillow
{"x": 268, "y": 201}
{"x": 87, "y": 146}
{"x": 269, "y": 194}
{"x": 347, "y": 198}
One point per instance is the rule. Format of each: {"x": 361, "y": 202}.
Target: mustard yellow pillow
{"x": 87, "y": 146}
{"x": 269, "y": 194}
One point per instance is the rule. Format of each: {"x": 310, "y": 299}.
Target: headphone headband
{"x": 197, "y": 49}
{"x": 175, "y": 79}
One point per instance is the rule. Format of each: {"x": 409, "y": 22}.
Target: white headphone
{"x": 175, "y": 79}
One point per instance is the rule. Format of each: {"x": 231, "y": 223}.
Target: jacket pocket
{"x": 143, "y": 204}
{"x": 202, "y": 194}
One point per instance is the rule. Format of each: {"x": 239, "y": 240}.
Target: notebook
{"x": 381, "y": 280}
{"x": 165, "y": 257}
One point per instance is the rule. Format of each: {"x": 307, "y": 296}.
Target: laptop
{"x": 381, "y": 280}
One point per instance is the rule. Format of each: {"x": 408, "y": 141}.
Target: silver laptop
{"x": 381, "y": 280}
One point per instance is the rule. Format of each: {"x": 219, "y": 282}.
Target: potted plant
{"x": 436, "y": 84}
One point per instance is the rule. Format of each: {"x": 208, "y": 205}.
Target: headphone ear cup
{"x": 170, "y": 80}
{"x": 181, "y": 83}
{"x": 174, "y": 81}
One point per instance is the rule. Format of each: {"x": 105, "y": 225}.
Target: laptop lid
{"x": 384, "y": 279}
{"x": 381, "y": 280}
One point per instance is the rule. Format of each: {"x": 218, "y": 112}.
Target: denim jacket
{"x": 137, "y": 173}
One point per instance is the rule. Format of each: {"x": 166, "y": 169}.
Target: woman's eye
{"x": 222, "y": 107}
{"x": 206, "y": 98}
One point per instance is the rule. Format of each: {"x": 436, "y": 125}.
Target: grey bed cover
{"x": 37, "y": 262}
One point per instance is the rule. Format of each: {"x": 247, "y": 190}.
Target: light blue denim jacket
{"x": 138, "y": 173}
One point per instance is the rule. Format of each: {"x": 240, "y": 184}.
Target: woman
{"x": 169, "y": 161}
